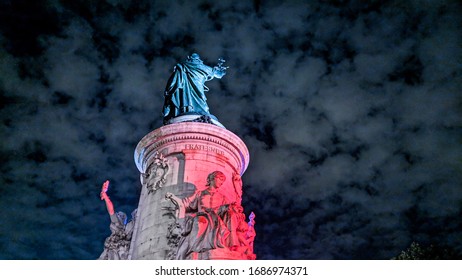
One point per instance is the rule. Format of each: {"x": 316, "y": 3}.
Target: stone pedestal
{"x": 177, "y": 158}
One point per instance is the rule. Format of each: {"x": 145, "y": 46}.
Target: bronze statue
{"x": 185, "y": 90}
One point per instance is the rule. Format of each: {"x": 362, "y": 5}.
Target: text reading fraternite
{"x": 203, "y": 148}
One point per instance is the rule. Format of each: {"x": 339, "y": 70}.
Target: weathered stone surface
{"x": 191, "y": 151}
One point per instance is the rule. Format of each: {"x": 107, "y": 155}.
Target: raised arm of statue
{"x": 105, "y": 197}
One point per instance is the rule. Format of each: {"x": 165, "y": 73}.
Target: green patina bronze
{"x": 185, "y": 90}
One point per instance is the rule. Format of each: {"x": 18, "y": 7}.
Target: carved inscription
{"x": 204, "y": 148}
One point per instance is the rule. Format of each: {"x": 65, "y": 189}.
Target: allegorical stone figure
{"x": 204, "y": 230}
{"x": 185, "y": 90}
{"x": 210, "y": 221}
{"x": 117, "y": 245}
{"x": 155, "y": 176}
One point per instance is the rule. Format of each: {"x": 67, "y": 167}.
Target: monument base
{"x": 227, "y": 254}
{"x": 222, "y": 254}
{"x": 176, "y": 160}
{"x": 195, "y": 118}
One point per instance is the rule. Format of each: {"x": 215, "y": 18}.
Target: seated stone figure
{"x": 203, "y": 228}
{"x": 209, "y": 221}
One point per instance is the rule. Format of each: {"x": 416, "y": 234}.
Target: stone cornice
{"x": 190, "y": 132}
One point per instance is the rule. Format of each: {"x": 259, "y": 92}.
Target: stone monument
{"x": 184, "y": 94}
{"x": 117, "y": 245}
{"x": 190, "y": 202}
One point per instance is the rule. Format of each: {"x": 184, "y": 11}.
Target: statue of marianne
{"x": 184, "y": 93}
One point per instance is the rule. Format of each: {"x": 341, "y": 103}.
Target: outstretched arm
{"x": 105, "y": 197}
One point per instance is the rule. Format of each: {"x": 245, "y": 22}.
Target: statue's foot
{"x": 195, "y": 118}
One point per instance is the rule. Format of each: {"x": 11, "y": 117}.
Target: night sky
{"x": 351, "y": 110}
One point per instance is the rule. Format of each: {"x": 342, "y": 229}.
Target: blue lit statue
{"x": 184, "y": 93}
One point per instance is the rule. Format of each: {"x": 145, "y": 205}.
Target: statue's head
{"x": 122, "y": 217}
{"x": 194, "y": 58}
{"x": 216, "y": 179}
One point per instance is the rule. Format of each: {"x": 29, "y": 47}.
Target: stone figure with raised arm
{"x": 185, "y": 90}
{"x": 117, "y": 245}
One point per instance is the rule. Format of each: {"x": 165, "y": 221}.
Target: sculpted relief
{"x": 186, "y": 211}
{"x": 207, "y": 221}
{"x": 156, "y": 174}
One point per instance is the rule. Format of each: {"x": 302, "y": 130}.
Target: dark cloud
{"x": 351, "y": 112}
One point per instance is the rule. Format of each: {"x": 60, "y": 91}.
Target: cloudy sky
{"x": 351, "y": 110}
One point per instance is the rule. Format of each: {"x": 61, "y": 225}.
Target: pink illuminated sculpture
{"x": 208, "y": 221}
{"x": 117, "y": 245}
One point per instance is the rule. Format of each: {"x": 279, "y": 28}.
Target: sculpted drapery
{"x": 185, "y": 90}
{"x": 209, "y": 221}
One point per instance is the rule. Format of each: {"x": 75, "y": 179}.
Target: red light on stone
{"x": 175, "y": 162}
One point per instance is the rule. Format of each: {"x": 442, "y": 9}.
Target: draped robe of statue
{"x": 185, "y": 90}
{"x": 203, "y": 227}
